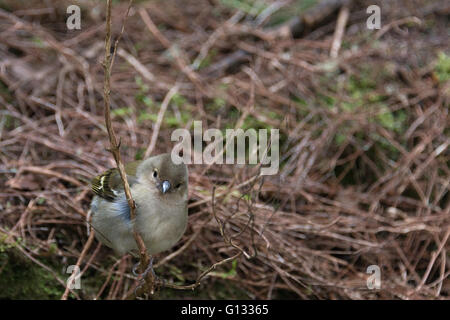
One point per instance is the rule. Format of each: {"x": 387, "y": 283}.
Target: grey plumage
{"x": 161, "y": 213}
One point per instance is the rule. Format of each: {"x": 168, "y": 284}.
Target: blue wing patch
{"x": 121, "y": 206}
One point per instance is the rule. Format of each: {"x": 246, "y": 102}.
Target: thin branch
{"x": 87, "y": 246}
{"x": 161, "y": 113}
{"x": 204, "y": 274}
{"x": 339, "y": 32}
{"x": 115, "y": 146}
{"x": 226, "y": 239}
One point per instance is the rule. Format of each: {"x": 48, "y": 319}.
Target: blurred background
{"x": 364, "y": 135}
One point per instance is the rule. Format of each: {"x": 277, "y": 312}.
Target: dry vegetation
{"x": 364, "y": 176}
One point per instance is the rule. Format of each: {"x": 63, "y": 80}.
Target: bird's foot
{"x": 145, "y": 273}
{"x": 159, "y": 283}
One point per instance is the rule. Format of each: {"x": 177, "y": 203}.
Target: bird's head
{"x": 161, "y": 173}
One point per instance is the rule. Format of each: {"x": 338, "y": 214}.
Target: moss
{"x": 139, "y": 154}
{"x": 229, "y": 274}
{"x": 38, "y": 42}
{"x": 179, "y": 100}
{"x": 291, "y": 10}
{"x": 215, "y": 288}
{"x": 22, "y": 279}
{"x": 217, "y": 104}
{"x": 394, "y": 121}
{"x": 442, "y": 67}
{"x": 142, "y": 95}
{"x": 326, "y": 100}
{"x": 121, "y": 112}
{"x": 339, "y": 138}
{"x": 208, "y": 59}
{"x": 248, "y": 6}
{"x": 144, "y": 116}
{"x": 251, "y": 122}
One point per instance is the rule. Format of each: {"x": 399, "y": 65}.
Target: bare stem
{"x": 115, "y": 149}
{"x": 80, "y": 259}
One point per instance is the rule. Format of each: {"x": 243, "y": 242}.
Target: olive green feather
{"x": 108, "y": 184}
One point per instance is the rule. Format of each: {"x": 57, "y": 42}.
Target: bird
{"x": 159, "y": 188}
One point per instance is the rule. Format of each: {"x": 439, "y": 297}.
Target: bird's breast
{"x": 161, "y": 222}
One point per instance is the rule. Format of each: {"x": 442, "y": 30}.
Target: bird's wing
{"x": 109, "y": 184}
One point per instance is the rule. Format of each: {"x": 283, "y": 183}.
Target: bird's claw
{"x": 144, "y": 274}
{"x": 158, "y": 281}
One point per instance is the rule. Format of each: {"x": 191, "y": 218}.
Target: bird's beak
{"x": 165, "y": 186}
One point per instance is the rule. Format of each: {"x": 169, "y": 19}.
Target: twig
{"x": 181, "y": 63}
{"x": 204, "y": 274}
{"x": 183, "y": 248}
{"x": 219, "y": 32}
{"x": 397, "y": 23}
{"x": 433, "y": 260}
{"x": 115, "y": 146}
{"x": 215, "y": 265}
{"x": 80, "y": 259}
{"x": 107, "y": 279}
{"x": 137, "y": 65}
{"x": 161, "y": 113}
{"x": 51, "y": 173}
{"x": 339, "y": 32}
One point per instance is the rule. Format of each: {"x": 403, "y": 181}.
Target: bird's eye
{"x": 155, "y": 173}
